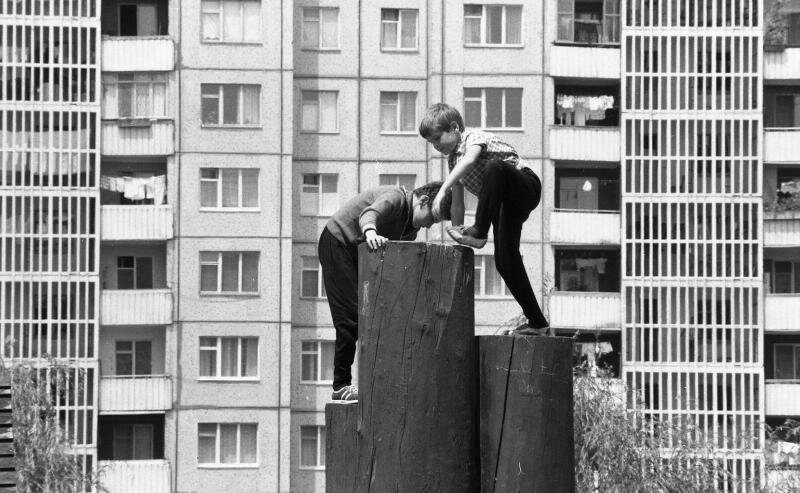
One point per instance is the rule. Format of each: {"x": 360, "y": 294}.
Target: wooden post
{"x": 526, "y": 438}
{"x": 8, "y": 473}
{"x": 341, "y": 446}
{"x": 417, "y": 370}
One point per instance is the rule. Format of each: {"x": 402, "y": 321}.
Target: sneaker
{"x": 346, "y": 393}
{"x": 466, "y": 236}
{"x": 527, "y": 330}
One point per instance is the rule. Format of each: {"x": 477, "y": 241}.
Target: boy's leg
{"x": 505, "y": 184}
{"x": 340, "y": 275}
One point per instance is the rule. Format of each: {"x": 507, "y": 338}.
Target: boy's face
{"x": 445, "y": 141}
{"x": 421, "y": 216}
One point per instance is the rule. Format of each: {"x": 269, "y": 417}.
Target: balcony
{"x": 135, "y": 476}
{"x": 782, "y": 312}
{"x": 590, "y": 62}
{"x": 138, "y": 54}
{"x": 128, "y": 394}
{"x": 136, "y": 307}
{"x": 782, "y": 145}
{"x": 783, "y": 397}
{"x": 568, "y": 226}
{"x": 782, "y": 229}
{"x": 136, "y": 222}
{"x": 584, "y": 310}
{"x": 138, "y": 137}
{"x": 584, "y": 143}
{"x": 782, "y": 65}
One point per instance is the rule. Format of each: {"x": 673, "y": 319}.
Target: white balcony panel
{"x": 136, "y": 307}
{"x": 154, "y": 138}
{"x": 136, "y": 222}
{"x": 135, "y": 394}
{"x": 590, "y": 62}
{"x": 782, "y": 229}
{"x": 138, "y": 54}
{"x": 584, "y": 143}
{"x": 583, "y": 310}
{"x": 782, "y": 145}
{"x": 783, "y": 397}
{"x": 782, "y": 313}
{"x": 135, "y": 476}
{"x": 782, "y": 65}
{"x": 584, "y": 227}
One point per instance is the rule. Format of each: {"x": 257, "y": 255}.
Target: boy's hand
{"x": 374, "y": 240}
{"x": 436, "y": 207}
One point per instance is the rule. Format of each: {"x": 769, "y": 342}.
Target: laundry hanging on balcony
{"x": 137, "y": 187}
{"x": 583, "y": 108}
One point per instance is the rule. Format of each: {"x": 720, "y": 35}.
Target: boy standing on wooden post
{"x": 507, "y": 193}
{"x": 374, "y": 216}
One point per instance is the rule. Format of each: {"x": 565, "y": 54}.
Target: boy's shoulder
{"x": 487, "y": 140}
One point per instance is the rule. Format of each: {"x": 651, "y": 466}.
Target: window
{"x": 320, "y": 111}
{"x": 781, "y": 109}
{"x": 228, "y": 272}
{"x": 399, "y": 29}
{"x": 407, "y": 181}
{"x": 588, "y": 21}
{"x": 133, "y": 441}
{"x": 492, "y": 24}
{"x": 137, "y": 20}
{"x": 134, "y": 272}
{"x": 312, "y": 447}
{"x": 487, "y": 280}
{"x": 493, "y": 108}
{"x": 587, "y": 270}
{"x": 794, "y": 29}
{"x": 320, "y": 28}
{"x": 127, "y": 95}
{"x": 398, "y": 112}
{"x": 227, "y": 443}
{"x": 782, "y": 276}
{"x": 317, "y": 361}
{"x": 232, "y": 21}
{"x": 229, "y": 188}
{"x": 592, "y": 189}
{"x": 134, "y": 357}
{"x": 231, "y": 104}
{"x": 320, "y": 195}
{"x": 787, "y": 361}
{"x": 587, "y": 106}
{"x": 229, "y": 357}
{"x": 311, "y": 285}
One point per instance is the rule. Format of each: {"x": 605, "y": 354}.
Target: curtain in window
{"x": 230, "y": 271}
{"x": 494, "y": 108}
{"x": 249, "y": 366}
{"x": 326, "y": 370}
{"x": 207, "y": 443}
{"x": 308, "y": 445}
{"x": 408, "y": 103}
{"x": 309, "y": 361}
{"x": 328, "y": 111}
{"x": 252, "y": 21}
{"x": 159, "y": 99}
{"x": 494, "y": 23}
{"x": 389, "y": 18}
{"x": 472, "y": 107}
{"x": 208, "y": 361}
{"x": 230, "y": 187}
{"x": 208, "y": 277}
{"x": 250, "y": 104}
{"x": 248, "y": 443}
{"x": 232, "y": 20}
{"x": 143, "y": 100}
{"x": 310, "y": 111}
{"x": 388, "y": 111}
{"x": 513, "y": 107}
{"x": 513, "y": 24}
{"x": 210, "y": 103}
{"x": 330, "y": 27}
{"x": 230, "y": 350}
{"x": 249, "y": 187}
{"x": 472, "y": 23}
{"x": 208, "y": 190}
{"x": 566, "y": 18}
{"x": 311, "y": 27}
{"x": 211, "y": 24}
{"x": 330, "y": 194}
{"x": 408, "y": 28}
{"x": 230, "y": 104}
{"x": 250, "y": 272}
{"x": 227, "y": 444}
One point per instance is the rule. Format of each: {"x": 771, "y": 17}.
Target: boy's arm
{"x": 457, "y": 205}
{"x": 473, "y": 151}
{"x": 384, "y": 207}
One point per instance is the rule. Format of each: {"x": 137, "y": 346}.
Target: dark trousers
{"x": 340, "y": 274}
{"x": 508, "y": 195}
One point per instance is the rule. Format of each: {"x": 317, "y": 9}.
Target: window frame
{"x": 795, "y": 347}
{"x": 320, "y": 450}
{"x": 134, "y": 426}
{"x": 482, "y": 100}
{"x": 503, "y": 27}
{"x": 217, "y": 349}
{"x": 317, "y": 130}
{"x": 111, "y": 84}
{"x": 321, "y": 294}
{"x": 221, "y": 208}
{"x": 605, "y": 15}
{"x": 218, "y": 263}
{"x": 396, "y": 182}
{"x": 221, "y": 19}
{"x": 317, "y": 354}
{"x": 397, "y": 113}
{"x": 320, "y": 212}
{"x": 221, "y": 109}
{"x": 399, "y": 36}
{"x": 481, "y": 280}
{"x": 217, "y": 439}
{"x": 304, "y": 46}
{"x": 132, "y": 352}
{"x": 135, "y": 271}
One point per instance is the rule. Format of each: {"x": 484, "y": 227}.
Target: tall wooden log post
{"x": 417, "y": 370}
{"x": 526, "y": 420}
{"x": 341, "y": 446}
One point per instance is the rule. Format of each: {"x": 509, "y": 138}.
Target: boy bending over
{"x": 507, "y": 192}
{"x": 375, "y": 217}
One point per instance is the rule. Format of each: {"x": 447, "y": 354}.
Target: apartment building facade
{"x": 168, "y": 167}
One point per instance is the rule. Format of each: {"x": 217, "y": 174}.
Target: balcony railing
{"x": 783, "y": 397}
{"x": 136, "y": 222}
{"x": 782, "y": 229}
{"x": 781, "y": 312}
{"x": 584, "y": 143}
{"x": 585, "y": 61}
{"x": 136, "y": 307}
{"x": 569, "y": 226}
{"x": 584, "y": 310}
{"x": 782, "y": 145}
{"x": 138, "y": 54}
{"x": 135, "y": 476}
{"x": 135, "y": 393}
{"x": 144, "y": 137}
{"x": 783, "y": 64}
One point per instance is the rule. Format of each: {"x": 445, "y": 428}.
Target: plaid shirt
{"x": 493, "y": 149}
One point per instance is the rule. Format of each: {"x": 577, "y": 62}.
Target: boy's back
{"x": 392, "y": 211}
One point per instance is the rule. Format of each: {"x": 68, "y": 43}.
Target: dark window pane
{"x": 144, "y": 355}
{"x": 127, "y": 20}
{"x": 230, "y": 104}
{"x": 513, "y": 107}
{"x": 494, "y": 108}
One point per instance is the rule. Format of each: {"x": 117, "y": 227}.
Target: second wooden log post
{"x": 417, "y": 370}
